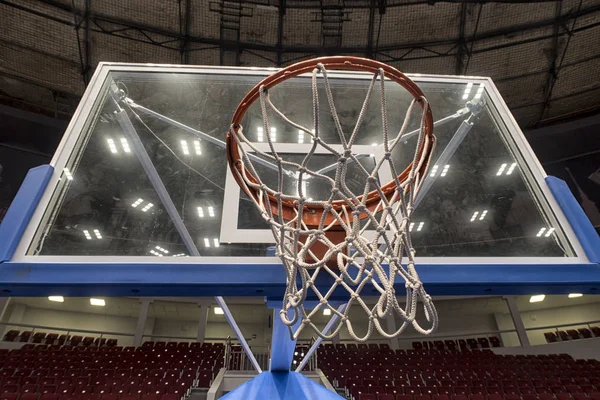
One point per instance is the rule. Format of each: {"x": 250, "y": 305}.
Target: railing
{"x": 67, "y": 331}
{"x": 536, "y": 335}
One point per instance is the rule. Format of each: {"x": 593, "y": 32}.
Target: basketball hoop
{"x": 328, "y": 236}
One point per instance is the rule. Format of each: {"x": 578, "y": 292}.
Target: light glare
{"x": 537, "y": 298}
{"x": 97, "y": 302}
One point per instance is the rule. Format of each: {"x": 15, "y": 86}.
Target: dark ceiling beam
{"x": 462, "y": 46}
{"x": 553, "y": 73}
{"x": 362, "y": 4}
{"x": 281, "y": 20}
{"x": 87, "y": 41}
{"x": 552, "y": 69}
{"x": 318, "y": 49}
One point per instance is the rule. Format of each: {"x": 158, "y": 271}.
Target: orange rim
{"x": 313, "y": 217}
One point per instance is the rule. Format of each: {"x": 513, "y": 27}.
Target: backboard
{"x": 139, "y": 196}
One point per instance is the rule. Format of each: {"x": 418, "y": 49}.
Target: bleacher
{"x": 376, "y": 372}
{"x": 153, "y": 371}
{"x": 572, "y": 334}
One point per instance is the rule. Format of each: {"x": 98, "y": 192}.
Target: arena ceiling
{"x": 543, "y": 55}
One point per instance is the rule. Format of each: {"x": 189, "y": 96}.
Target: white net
{"x": 362, "y": 261}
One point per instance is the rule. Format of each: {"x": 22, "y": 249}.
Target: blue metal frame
{"x": 21, "y": 209}
{"x": 585, "y": 232}
{"x": 281, "y": 386}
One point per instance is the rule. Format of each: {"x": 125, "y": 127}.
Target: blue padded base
{"x": 280, "y": 386}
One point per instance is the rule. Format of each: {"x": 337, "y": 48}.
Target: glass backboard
{"x": 142, "y": 175}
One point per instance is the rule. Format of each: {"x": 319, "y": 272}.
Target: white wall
{"x": 551, "y": 317}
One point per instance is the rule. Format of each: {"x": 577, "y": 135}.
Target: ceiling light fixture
{"x": 112, "y": 146}
{"x": 574, "y": 295}
{"x": 137, "y": 203}
{"x": 87, "y": 234}
{"x": 433, "y": 170}
{"x": 197, "y": 147}
{"x": 218, "y": 311}
{"x": 125, "y": 145}
{"x": 206, "y": 242}
{"x": 501, "y": 170}
{"x": 211, "y": 211}
{"x": 184, "y": 148}
{"x": 97, "y": 233}
{"x": 97, "y": 302}
{"x": 541, "y": 232}
{"x": 327, "y": 311}
{"x": 475, "y": 214}
{"x": 537, "y": 298}
{"x": 300, "y": 136}
{"x": 467, "y": 90}
{"x": 147, "y": 207}
{"x": 200, "y": 212}
{"x": 259, "y": 133}
{"x": 445, "y": 170}
{"x": 68, "y": 174}
{"x": 58, "y": 299}
{"x": 511, "y": 168}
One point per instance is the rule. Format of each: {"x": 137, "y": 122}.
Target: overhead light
{"x": 549, "y": 232}
{"x": 147, "y": 207}
{"x": 574, "y": 295}
{"x": 411, "y": 226}
{"x": 97, "y": 302}
{"x": 445, "y": 170}
{"x": 467, "y": 90}
{"x": 537, "y": 298}
{"x": 200, "y": 212}
{"x": 155, "y": 253}
{"x": 216, "y": 242}
{"x": 420, "y": 226}
{"x": 475, "y": 214}
{"x": 219, "y": 311}
{"x": 68, "y": 174}
{"x": 161, "y": 249}
{"x": 479, "y": 91}
{"x": 483, "y": 214}
{"x": 327, "y": 311}
{"x": 97, "y": 233}
{"x": 197, "y": 147}
{"x": 300, "y": 136}
{"x": 433, "y": 170}
{"x": 501, "y": 170}
{"x": 541, "y": 232}
{"x": 273, "y": 134}
{"x": 125, "y": 145}
{"x": 179, "y": 255}
{"x": 211, "y": 211}
{"x": 60, "y": 299}
{"x": 87, "y": 234}
{"x": 206, "y": 242}
{"x": 259, "y": 133}
{"x": 112, "y": 146}
{"x": 184, "y": 148}
{"x": 137, "y": 203}
{"x": 511, "y": 168}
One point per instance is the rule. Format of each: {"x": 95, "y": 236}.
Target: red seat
{"x": 384, "y": 396}
{"x": 10, "y": 396}
{"x": 109, "y": 396}
{"x": 10, "y": 388}
{"x": 365, "y": 396}
{"x": 563, "y": 396}
{"x": 149, "y": 397}
{"x": 130, "y": 397}
{"x": 595, "y": 395}
{"x": 49, "y": 396}
{"x": 30, "y": 396}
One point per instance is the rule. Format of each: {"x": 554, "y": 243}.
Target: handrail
{"x": 68, "y": 330}
{"x": 436, "y": 337}
{"x": 562, "y": 325}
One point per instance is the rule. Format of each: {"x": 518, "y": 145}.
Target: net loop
{"x": 356, "y": 261}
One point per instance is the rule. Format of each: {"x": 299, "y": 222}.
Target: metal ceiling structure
{"x": 543, "y": 55}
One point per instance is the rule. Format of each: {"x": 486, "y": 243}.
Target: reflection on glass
{"x": 478, "y": 203}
